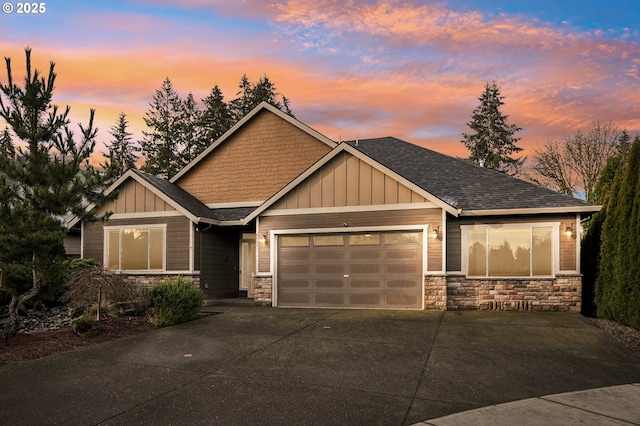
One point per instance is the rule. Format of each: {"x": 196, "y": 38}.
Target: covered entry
{"x": 355, "y": 270}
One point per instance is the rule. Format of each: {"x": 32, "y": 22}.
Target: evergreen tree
{"x": 161, "y": 146}
{"x": 123, "y": 154}
{"x": 493, "y": 141}
{"x": 243, "y": 103}
{"x": 251, "y": 95}
{"x": 44, "y": 174}
{"x": 215, "y": 120}
{"x": 618, "y": 280}
{"x": 189, "y": 135}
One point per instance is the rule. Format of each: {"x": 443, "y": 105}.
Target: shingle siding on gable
{"x": 255, "y": 162}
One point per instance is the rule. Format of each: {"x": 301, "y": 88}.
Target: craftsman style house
{"x": 276, "y": 211}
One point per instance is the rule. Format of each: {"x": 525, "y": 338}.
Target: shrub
{"x": 95, "y": 289}
{"x": 84, "y": 325}
{"x": 175, "y": 301}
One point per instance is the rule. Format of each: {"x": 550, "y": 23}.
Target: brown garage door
{"x": 363, "y": 270}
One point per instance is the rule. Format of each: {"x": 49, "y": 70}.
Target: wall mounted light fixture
{"x": 435, "y": 233}
{"x": 569, "y": 231}
{"x": 263, "y": 239}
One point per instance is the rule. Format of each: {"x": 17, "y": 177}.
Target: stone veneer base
{"x": 562, "y": 293}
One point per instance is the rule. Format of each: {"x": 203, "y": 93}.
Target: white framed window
{"x": 135, "y": 248}
{"x": 509, "y": 250}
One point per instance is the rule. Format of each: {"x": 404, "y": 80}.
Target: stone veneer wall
{"x": 263, "y": 294}
{"x": 562, "y": 293}
{"x": 435, "y": 292}
{"x": 151, "y": 280}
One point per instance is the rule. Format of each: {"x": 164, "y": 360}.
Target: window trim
{"x": 555, "y": 248}
{"x": 148, "y": 227}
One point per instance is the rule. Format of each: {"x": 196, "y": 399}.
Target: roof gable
{"x": 253, "y": 160}
{"x": 323, "y": 166}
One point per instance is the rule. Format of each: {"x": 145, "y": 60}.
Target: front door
{"x": 248, "y": 263}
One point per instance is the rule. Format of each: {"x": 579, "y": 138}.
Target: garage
{"x": 351, "y": 270}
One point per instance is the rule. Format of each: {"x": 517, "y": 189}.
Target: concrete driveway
{"x": 267, "y": 366}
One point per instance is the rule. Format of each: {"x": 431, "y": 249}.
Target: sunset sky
{"x": 353, "y": 68}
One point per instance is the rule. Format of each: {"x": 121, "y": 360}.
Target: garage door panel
{"x": 358, "y": 284}
{"x": 331, "y": 283}
{"x": 365, "y": 269}
{"x": 402, "y": 269}
{"x": 372, "y": 270}
{"x": 329, "y": 299}
{"x": 295, "y": 283}
{"x": 365, "y": 254}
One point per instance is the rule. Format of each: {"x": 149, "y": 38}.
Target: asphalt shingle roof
{"x": 192, "y": 204}
{"x": 460, "y": 184}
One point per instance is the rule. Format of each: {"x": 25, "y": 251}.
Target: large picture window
{"x": 139, "y": 248}
{"x": 509, "y": 251}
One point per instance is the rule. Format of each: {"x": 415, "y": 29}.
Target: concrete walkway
{"x": 267, "y": 366}
{"x": 616, "y": 405}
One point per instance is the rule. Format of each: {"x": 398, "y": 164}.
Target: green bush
{"x": 175, "y": 301}
{"x": 84, "y": 325}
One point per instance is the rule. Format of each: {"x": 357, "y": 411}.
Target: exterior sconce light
{"x": 436, "y": 232}
{"x": 569, "y": 231}
{"x": 263, "y": 239}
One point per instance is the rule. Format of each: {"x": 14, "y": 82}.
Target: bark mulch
{"x": 23, "y": 347}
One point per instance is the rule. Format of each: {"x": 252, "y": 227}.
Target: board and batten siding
{"x": 347, "y": 181}
{"x": 133, "y": 197}
{"x": 372, "y": 219}
{"x": 177, "y": 238}
{"x": 568, "y": 245}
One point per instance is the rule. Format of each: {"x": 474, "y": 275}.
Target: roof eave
{"x": 531, "y": 211}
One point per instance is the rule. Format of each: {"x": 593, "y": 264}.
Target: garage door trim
{"x": 276, "y": 233}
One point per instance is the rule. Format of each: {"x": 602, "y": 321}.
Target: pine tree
{"x": 123, "y": 153}
{"x": 161, "y": 145}
{"x": 44, "y": 174}
{"x": 493, "y": 142}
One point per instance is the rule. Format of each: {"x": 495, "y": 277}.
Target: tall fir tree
{"x": 44, "y": 174}
{"x": 123, "y": 152}
{"x": 251, "y": 95}
{"x": 161, "y": 145}
{"x": 215, "y": 119}
{"x": 189, "y": 135}
{"x": 493, "y": 142}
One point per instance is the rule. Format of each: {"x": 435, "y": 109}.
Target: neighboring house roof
{"x": 262, "y": 106}
{"x": 471, "y": 189}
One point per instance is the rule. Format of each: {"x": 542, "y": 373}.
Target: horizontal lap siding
{"x": 177, "y": 244}
{"x": 568, "y": 245}
{"x": 353, "y": 220}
